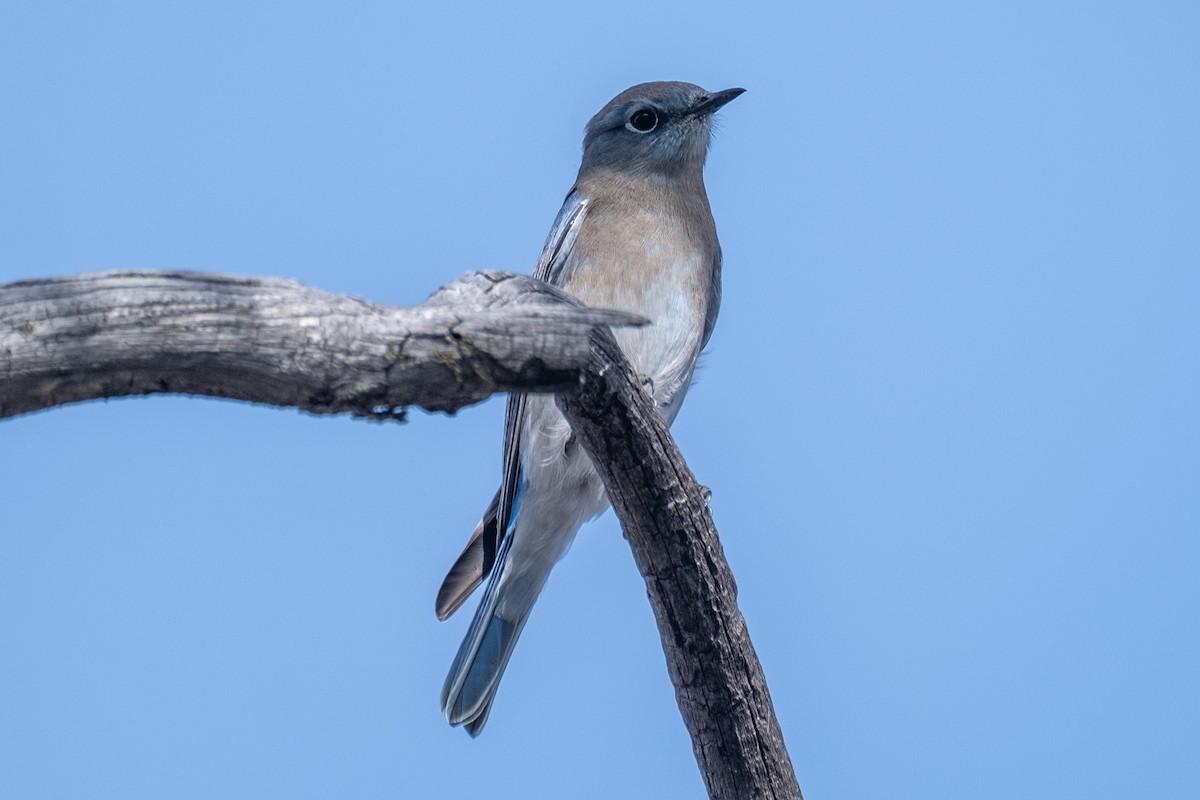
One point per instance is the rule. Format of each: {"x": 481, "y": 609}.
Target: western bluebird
{"x": 634, "y": 233}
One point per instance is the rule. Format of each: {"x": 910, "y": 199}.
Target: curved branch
{"x": 274, "y": 341}
{"x": 719, "y": 682}
{"x": 279, "y": 342}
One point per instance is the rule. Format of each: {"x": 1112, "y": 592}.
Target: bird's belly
{"x": 672, "y": 293}
{"x": 562, "y": 489}
{"x": 663, "y": 354}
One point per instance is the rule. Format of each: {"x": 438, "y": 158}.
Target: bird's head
{"x": 662, "y": 128}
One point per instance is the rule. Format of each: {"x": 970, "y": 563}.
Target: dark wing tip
{"x": 463, "y": 578}
{"x": 470, "y": 567}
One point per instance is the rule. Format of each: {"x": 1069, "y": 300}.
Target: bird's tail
{"x": 475, "y": 674}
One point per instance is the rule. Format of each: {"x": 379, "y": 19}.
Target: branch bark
{"x": 719, "y": 682}
{"x": 279, "y": 342}
{"x": 274, "y": 341}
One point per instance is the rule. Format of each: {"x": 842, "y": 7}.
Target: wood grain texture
{"x": 279, "y": 342}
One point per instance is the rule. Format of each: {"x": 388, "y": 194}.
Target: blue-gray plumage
{"x": 634, "y": 233}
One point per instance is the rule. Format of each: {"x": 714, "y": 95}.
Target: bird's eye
{"x": 643, "y": 120}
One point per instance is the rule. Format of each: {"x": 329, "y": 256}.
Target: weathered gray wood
{"x": 275, "y": 341}
{"x": 719, "y": 682}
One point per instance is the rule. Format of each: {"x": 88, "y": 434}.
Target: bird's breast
{"x": 657, "y": 261}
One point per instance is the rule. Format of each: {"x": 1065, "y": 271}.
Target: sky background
{"x": 950, "y": 414}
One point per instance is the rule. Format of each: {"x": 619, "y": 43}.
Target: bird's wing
{"x": 479, "y": 556}
{"x": 468, "y": 570}
{"x": 557, "y": 250}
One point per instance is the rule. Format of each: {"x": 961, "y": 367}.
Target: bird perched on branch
{"x": 635, "y": 233}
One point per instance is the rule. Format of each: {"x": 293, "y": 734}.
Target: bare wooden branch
{"x": 275, "y": 341}
{"x": 719, "y": 682}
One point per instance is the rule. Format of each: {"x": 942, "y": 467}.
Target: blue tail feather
{"x": 471, "y": 685}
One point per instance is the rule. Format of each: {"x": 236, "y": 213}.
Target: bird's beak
{"x": 714, "y": 101}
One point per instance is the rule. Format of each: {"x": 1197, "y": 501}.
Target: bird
{"x": 635, "y": 233}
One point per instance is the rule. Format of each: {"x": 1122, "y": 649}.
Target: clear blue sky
{"x": 950, "y": 415}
